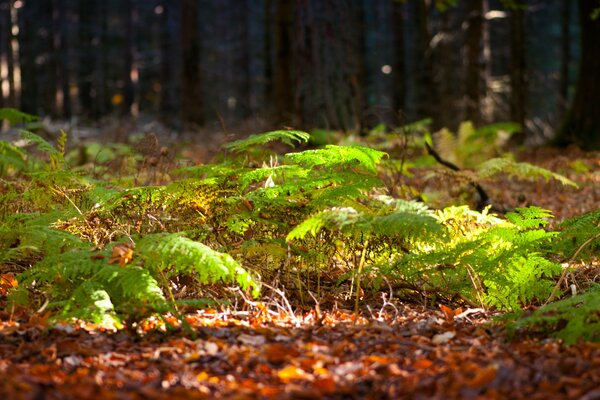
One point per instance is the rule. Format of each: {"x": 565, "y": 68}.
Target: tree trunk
{"x": 5, "y": 35}
{"x": 474, "y": 34}
{"x": 282, "y": 96}
{"x": 128, "y": 49}
{"x": 168, "y": 66}
{"x": 62, "y": 62}
{"x": 518, "y": 84}
{"x": 565, "y": 56}
{"x": 399, "y": 66}
{"x": 87, "y": 50}
{"x": 582, "y": 123}
{"x": 27, "y": 55}
{"x": 191, "y": 98}
{"x": 426, "y": 93}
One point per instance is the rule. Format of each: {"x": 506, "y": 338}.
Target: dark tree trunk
{"x": 10, "y": 61}
{"x": 87, "y": 54}
{"x": 191, "y": 83}
{"x": 169, "y": 65}
{"x": 62, "y": 62}
{"x": 426, "y": 94}
{"x": 5, "y": 36}
{"x": 47, "y": 69}
{"x": 27, "y": 55}
{"x": 102, "y": 100}
{"x": 358, "y": 73}
{"x": 128, "y": 49}
{"x": 399, "y": 66}
{"x": 518, "y": 84}
{"x": 565, "y": 56}
{"x": 282, "y": 96}
{"x": 444, "y": 71}
{"x": 474, "y": 34}
{"x": 582, "y": 123}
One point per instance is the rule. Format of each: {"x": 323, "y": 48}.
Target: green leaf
{"x": 286, "y": 136}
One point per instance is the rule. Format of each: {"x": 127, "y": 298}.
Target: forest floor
{"x": 393, "y": 350}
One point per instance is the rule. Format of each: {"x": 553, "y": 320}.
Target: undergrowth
{"x": 322, "y": 223}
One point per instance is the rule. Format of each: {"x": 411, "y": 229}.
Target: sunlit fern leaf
{"x": 333, "y": 218}
{"x": 188, "y": 256}
{"x": 131, "y": 283}
{"x": 91, "y": 302}
{"x": 71, "y": 266}
{"x": 530, "y": 217}
{"x": 333, "y": 156}
{"x": 570, "y": 319}
{"x": 289, "y": 137}
{"x": 409, "y": 226}
{"x": 519, "y": 170}
{"x": 15, "y": 117}
{"x": 278, "y": 174}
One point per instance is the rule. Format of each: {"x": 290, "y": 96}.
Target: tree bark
{"x": 62, "y": 62}
{"x": 399, "y": 66}
{"x": 518, "y": 83}
{"x": 474, "y": 34}
{"x": 565, "y": 56}
{"x": 582, "y": 123}
{"x": 426, "y": 96}
{"x": 128, "y": 49}
{"x": 191, "y": 96}
{"x": 282, "y": 97}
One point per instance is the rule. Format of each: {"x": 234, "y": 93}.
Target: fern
{"x": 527, "y": 171}
{"x": 364, "y": 158}
{"x": 505, "y": 262}
{"x": 12, "y": 159}
{"x": 570, "y": 319}
{"x": 15, "y": 117}
{"x": 580, "y": 236}
{"x": 188, "y": 256}
{"x": 286, "y": 136}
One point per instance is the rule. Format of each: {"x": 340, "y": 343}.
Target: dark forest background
{"x": 339, "y": 64}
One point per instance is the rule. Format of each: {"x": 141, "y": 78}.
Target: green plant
{"x": 571, "y": 319}
{"x": 497, "y": 263}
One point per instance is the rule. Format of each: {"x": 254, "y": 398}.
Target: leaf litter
{"x": 415, "y": 353}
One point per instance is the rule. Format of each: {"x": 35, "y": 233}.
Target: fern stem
{"x": 361, "y": 264}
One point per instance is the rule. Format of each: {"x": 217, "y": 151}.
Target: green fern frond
{"x": 90, "y": 302}
{"x": 185, "y": 255}
{"x": 15, "y": 117}
{"x": 580, "y": 234}
{"x": 529, "y": 217}
{"x": 414, "y": 227}
{"x": 11, "y": 158}
{"x": 334, "y": 218}
{"x": 286, "y": 136}
{"x": 332, "y": 156}
{"x": 571, "y": 319}
{"x": 519, "y": 170}
{"x": 39, "y": 141}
